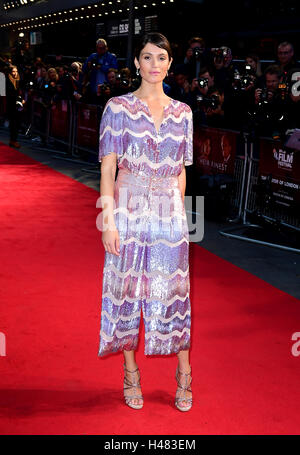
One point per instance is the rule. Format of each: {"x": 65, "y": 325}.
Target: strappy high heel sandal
{"x": 179, "y": 399}
{"x": 129, "y": 398}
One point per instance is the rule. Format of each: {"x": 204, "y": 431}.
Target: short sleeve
{"x": 188, "y": 150}
{"x": 111, "y": 129}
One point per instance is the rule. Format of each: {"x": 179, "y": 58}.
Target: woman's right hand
{"x": 111, "y": 241}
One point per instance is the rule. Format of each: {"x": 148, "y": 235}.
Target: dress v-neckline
{"x": 150, "y": 115}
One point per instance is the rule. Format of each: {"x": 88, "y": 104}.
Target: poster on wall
{"x": 214, "y": 150}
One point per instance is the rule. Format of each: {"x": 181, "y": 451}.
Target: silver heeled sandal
{"x": 129, "y": 398}
{"x": 179, "y": 399}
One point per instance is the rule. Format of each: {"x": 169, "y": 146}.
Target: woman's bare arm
{"x": 110, "y": 236}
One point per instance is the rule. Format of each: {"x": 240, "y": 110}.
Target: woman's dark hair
{"x": 253, "y": 57}
{"x": 158, "y": 39}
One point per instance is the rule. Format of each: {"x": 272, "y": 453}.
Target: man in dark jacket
{"x": 97, "y": 65}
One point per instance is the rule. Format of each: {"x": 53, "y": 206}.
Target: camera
{"x": 221, "y": 52}
{"x": 74, "y": 71}
{"x": 104, "y": 86}
{"x": 242, "y": 81}
{"x": 197, "y": 51}
{"x": 123, "y": 80}
{"x": 264, "y": 95}
{"x": 135, "y": 83}
{"x": 29, "y": 85}
{"x": 211, "y": 102}
{"x": 19, "y": 104}
{"x": 94, "y": 62}
{"x": 202, "y": 82}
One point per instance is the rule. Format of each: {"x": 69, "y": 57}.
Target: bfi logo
{"x": 2, "y": 345}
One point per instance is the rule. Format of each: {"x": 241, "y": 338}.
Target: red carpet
{"x": 245, "y": 378}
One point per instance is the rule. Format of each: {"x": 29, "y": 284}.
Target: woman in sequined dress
{"x": 146, "y": 241}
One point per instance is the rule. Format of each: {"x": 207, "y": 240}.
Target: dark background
{"x": 245, "y": 25}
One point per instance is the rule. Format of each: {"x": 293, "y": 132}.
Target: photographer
{"x": 113, "y": 80}
{"x": 104, "y": 93}
{"x": 14, "y": 104}
{"x": 41, "y": 77}
{"x": 241, "y": 96}
{"x": 69, "y": 85}
{"x": 180, "y": 87}
{"x": 197, "y": 56}
{"x": 286, "y": 57}
{"x": 210, "y": 110}
{"x": 96, "y": 67}
{"x": 48, "y": 88}
{"x": 201, "y": 85}
{"x": 223, "y": 68}
{"x": 270, "y": 112}
{"x": 270, "y": 86}
{"x": 124, "y": 82}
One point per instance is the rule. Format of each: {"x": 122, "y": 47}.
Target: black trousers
{"x": 13, "y": 116}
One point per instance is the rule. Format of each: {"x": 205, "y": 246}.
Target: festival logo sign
{"x": 281, "y": 167}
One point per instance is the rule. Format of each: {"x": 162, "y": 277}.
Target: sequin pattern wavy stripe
{"x": 151, "y": 274}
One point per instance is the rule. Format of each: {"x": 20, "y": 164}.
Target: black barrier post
{"x": 240, "y": 194}
{"x": 74, "y": 121}
{"x": 249, "y": 175}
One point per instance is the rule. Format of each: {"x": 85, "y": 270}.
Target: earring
{"x": 137, "y": 71}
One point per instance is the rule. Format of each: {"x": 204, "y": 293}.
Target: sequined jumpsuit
{"x": 152, "y": 271}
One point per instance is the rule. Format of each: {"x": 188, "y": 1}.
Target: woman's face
{"x": 251, "y": 62}
{"x": 14, "y": 73}
{"x": 52, "y": 75}
{"x": 218, "y": 63}
{"x": 111, "y": 77}
{"x": 153, "y": 63}
{"x": 43, "y": 72}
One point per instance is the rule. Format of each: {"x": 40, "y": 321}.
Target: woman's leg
{"x": 130, "y": 363}
{"x": 184, "y": 367}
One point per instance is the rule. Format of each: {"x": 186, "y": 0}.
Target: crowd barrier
{"x": 74, "y": 124}
{"x": 265, "y": 172}
{"x": 253, "y": 175}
